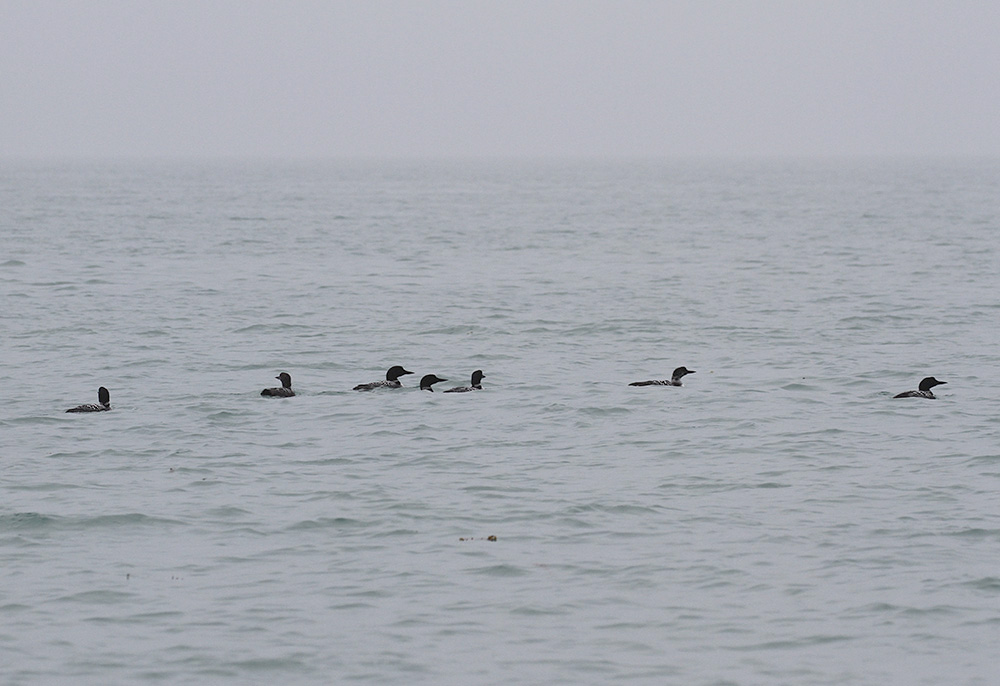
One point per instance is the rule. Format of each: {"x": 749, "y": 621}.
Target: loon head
{"x": 477, "y": 377}
{"x": 428, "y": 381}
{"x": 103, "y": 396}
{"x": 395, "y": 372}
{"x": 930, "y": 382}
{"x": 285, "y": 378}
{"x": 682, "y": 371}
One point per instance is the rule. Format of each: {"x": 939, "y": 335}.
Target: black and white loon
{"x": 286, "y": 387}
{"x": 477, "y": 383}
{"x": 391, "y": 380}
{"x": 428, "y": 381}
{"x": 925, "y": 389}
{"x": 103, "y": 405}
{"x": 675, "y": 379}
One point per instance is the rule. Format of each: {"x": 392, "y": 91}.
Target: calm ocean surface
{"x": 778, "y": 520}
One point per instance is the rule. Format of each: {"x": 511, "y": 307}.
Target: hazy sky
{"x": 334, "y": 78}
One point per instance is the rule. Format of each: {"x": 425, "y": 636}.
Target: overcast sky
{"x": 329, "y": 78}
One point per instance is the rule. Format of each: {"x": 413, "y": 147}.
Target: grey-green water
{"x": 778, "y": 520}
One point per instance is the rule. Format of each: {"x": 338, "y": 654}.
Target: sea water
{"x": 780, "y": 519}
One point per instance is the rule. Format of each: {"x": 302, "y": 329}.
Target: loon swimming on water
{"x": 925, "y": 389}
{"x": 675, "y": 380}
{"x": 103, "y": 405}
{"x": 391, "y": 380}
{"x": 428, "y": 381}
{"x": 286, "y": 387}
{"x": 477, "y": 383}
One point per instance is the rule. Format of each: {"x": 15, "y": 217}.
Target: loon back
{"x": 391, "y": 380}
{"x": 103, "y": 404}
{"x": 286, "y": 387}
{"x": 675, "y": 379}
{"x": 926, "y": 384}
{"x": 477, "y": 384}
{"x": 916, "y": 394}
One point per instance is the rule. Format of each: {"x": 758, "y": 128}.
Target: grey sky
{"x": 436, "y": 78}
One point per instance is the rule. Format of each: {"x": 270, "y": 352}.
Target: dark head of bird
{"x": 285, "y": 378}
{"x": 930, "y": 382}
{"x": 428, "y": 381}
{"x": 682, "y": 371}
{"x": 103, "y": 396}
{"x": 395, "y": 372}
{"x": 477, "y": 377}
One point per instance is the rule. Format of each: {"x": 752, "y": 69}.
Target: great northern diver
{"x": 675, "y": 380}
{"x": 103, "y": 405}
{"x": 428, "y": 381}
{"x": 286, "y": 387}
{"x": 477, "y": 383}
{"x": 925, "y": 389}
{"x": 391, "y": 380}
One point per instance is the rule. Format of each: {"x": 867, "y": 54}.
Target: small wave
{"x": 26, "y": 520}
{"x": 876, "y": 608}
{"x": 932, "y": 610}
{"x": 988, "y": 459}
{"x": 987, "y": 583}
{"x": 96, "y": 597}
{"x": 14, "y": 607}
{"x": 328, "y": 461}
{"x": 44, "y": 487}
{"x": 325, "y": 523}
{"x": 227, "y": 511}
{"x": 144, "y": 362}
{"x": 978, "y": 533}
{"x": 614, "y": 509}
{"x": 861, "y": 321}
{"x": 117, "y": 520}
{"x": 795, "y": 386}
{"x": 818, "y": 639}
{"x": 37, "y": 520}
{"x": 595, "y": 329}
{"x": 226, "y": 414}
{"x": 12, "y": 263}
{"x": 604, "y": 411}
{"x": 503, "y": 570}
{"x": 391, "y": 533}
{"x": 34, "y": 420}
{"x": 201, "y": 290}
{"x": 281, "y": 326}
